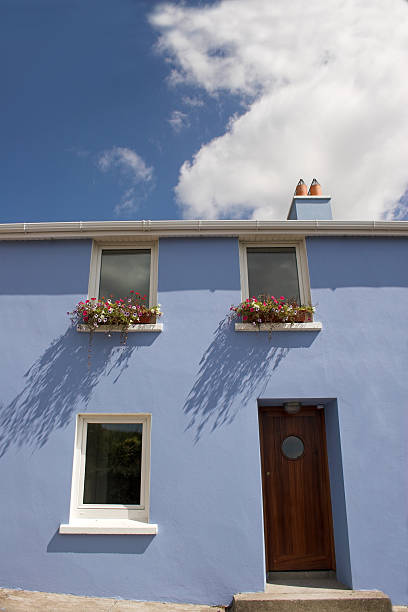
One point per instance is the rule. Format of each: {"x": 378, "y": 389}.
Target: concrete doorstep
{"x": 309, "y": 592}
{"x": 341, "y": 601}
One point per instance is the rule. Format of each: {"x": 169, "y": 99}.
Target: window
{"x": 275, "y": 269}
{"x": 110, "y": 477}
{"x": 117, "y": 270}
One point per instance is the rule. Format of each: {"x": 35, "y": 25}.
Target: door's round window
{"x": 292, "y": 447}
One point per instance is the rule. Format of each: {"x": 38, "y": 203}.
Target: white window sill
{"x": 106, "y": 329}
{"x": 313, "y": 326}
{"x": 108, "y": 527}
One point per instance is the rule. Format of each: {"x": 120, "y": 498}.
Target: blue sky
{"x": 104, "y": 101}
{"x": 78, "y": 78}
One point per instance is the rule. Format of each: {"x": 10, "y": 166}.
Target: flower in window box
{"x": 109, "y": 313}
{"x": 269, "y": 309}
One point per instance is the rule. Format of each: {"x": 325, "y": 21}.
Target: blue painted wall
{"x": 202, "y": 383}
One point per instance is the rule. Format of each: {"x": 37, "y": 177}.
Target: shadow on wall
{"x": 110, "y": 544}
{"x": 235, "y": 366}
{"x": 58, "y": 382}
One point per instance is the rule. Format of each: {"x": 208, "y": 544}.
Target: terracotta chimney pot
{"x": 315, "y": 188}
{"x": 301, "y": 188}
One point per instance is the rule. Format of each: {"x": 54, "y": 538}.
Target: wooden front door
{"x": 296, "y": 490}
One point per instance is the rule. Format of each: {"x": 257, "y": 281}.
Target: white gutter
{"x": 156, "y": 229}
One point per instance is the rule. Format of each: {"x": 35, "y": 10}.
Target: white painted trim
{"x": 80, "y": 511}
{"x": 95, "y": 265}
{"x": 301, "y": 262}
{"x": 134, "y": 230}
{"x": 106, "y": 329}
{"x": 108, "y": 527}
{"x": 315, "y": 326}
{"x": 94, "y": 270}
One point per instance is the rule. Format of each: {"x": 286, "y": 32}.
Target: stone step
{"x": 312, "y": 600}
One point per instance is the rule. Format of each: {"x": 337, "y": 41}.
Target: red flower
{"x": 131, "y": 291}
{"x": 281, "y": 297}
{"x": 244, "y": 318}
{"x": 93, "y": 298}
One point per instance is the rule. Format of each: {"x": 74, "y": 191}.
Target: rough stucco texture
{"x": 201, "y": 381}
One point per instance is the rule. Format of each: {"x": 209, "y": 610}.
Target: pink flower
{"x": 281, "y": 297}
{"x": 244, "y": 318}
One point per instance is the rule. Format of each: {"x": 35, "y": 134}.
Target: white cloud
{"x": 134, "y": 172}
{"x": 326, "y": 95}
{"x": 192, "y": 101}
{"x": 128, "y": 162}
{"x": 128, "y": 204}
{"x": 178, "y": 120}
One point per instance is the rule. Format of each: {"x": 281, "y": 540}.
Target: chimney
{"x": 301, "y": 189}
{"x": 308, "y": 206}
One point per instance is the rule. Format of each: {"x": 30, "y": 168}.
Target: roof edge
{"x": 219, "y": 227}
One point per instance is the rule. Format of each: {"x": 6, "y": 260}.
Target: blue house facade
{"x": 187, "y": 411}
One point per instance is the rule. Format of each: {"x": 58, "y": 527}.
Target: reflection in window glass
{"x": 292, "y": 447}
{"x": 273, "y": 271}
{"x": 113, "y": 463}
{"x": 123, "y": 271}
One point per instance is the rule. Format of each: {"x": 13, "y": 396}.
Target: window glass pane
{"x": 123, "y": 271}
{"x": 113, "y": 463}
{"x": 273, "y": 271}
{"x": 292, "y": 447}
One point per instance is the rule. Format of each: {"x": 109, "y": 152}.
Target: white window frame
{"x": 96, "y": 259}
{"x": 301, "y": 261}
{"x": 79, "y": 510}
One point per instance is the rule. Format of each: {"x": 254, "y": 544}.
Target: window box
{"x": 111, "y": 475}
{"x": 314, "y": 326}
{"x": 107, "y": 329}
